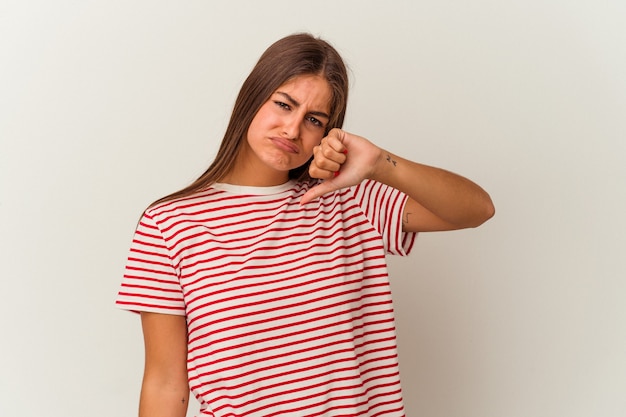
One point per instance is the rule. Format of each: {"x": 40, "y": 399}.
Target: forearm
{"x": 163, "y": 399}
{"x": 165, "y": 390}
{"x": 449, "y": 196}
{"x": 439, "y": 199}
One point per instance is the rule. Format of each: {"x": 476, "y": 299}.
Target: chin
{"x": 283, "y": 164}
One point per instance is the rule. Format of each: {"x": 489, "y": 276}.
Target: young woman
{"x": 263, "y": 286}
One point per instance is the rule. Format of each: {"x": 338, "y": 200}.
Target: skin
{"x": 438, "y": 199}
{"x": 287, "y": 130}
{"x": 283, "y": 133}
{"x": 165, "y": 390}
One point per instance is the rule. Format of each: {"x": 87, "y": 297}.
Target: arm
{"x": 165, "y": 390}
{"x": 438, "y": 199}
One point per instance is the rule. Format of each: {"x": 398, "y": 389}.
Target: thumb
{"x": 319, "y": 190}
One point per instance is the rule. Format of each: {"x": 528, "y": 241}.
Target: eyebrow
{"x": 295, "y": 104}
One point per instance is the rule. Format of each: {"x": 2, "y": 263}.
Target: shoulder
{"x": 201, "y": 200}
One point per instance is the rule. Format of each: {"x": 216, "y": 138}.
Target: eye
{"x": 314, "y": 121}
{"x": 282, "y": 105}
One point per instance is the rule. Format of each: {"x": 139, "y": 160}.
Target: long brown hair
{"x": 289, "y": 57}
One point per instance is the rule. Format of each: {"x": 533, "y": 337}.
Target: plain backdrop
{"x": 107, "y": 105}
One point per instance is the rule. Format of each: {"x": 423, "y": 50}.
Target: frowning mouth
{"x": 285, "y": 144}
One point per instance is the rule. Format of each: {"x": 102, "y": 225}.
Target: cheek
{"x": 265, "y": 117}
{"x": 311, "y": 141}
{"x": 259, "y": 119}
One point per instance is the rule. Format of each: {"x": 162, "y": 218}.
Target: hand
{"x": 341, "y": 160}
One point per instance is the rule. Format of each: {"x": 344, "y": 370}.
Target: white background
{"x": 107, "y": 105}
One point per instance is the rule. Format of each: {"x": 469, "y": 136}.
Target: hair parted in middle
{"x": 289, "y": 57}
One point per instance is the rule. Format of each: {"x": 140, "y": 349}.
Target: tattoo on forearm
{"x": 405, "y": 220}
{"x": 389, "y": 159}
{"x": 183, "y": 400}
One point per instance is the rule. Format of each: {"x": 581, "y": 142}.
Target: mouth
{"x": 285, "y": 144}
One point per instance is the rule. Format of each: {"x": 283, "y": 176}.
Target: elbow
{"x": 486, "y": 212}
{"x": 488, "y": 208}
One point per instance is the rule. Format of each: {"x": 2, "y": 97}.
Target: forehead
{"x": 312, "y": 91}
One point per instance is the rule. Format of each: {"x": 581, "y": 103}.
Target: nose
{"x": 291, "y": 126}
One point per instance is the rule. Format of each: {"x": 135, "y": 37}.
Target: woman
{"x": 263, "y": 286}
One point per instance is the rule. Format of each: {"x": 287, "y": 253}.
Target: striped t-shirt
{"x": 288, "y": 307}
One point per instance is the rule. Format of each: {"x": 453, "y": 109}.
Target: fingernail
{"x": 336, "y": 174}
{"x": 345, "y": 151}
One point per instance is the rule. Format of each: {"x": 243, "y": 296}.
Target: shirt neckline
{"x": 251, "y": 190}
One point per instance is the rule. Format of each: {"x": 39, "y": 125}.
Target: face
{"x": 284, "y": 132}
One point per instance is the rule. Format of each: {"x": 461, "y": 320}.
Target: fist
{"x": 329, "y": 156}
{"x": 341, "y": 160}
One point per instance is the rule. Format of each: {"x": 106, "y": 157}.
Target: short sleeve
{"x": 383, "y": 206}
{"x": 151, "y": 282}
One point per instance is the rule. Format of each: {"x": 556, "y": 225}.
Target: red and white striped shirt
{"x": 288, "y": 307}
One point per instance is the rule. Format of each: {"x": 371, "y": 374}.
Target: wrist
{"x": 386, "y": 163}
